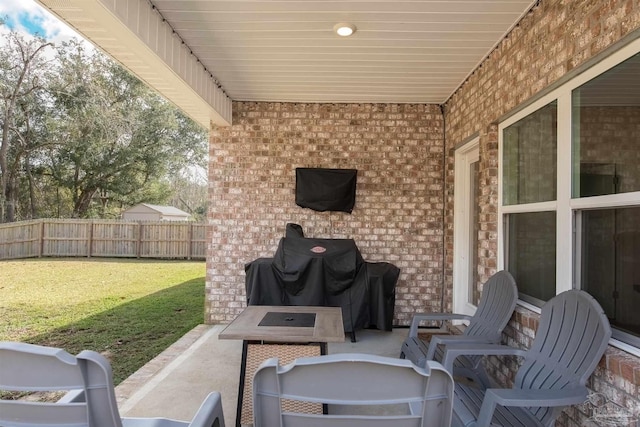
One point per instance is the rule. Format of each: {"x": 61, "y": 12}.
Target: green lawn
{"x": 128, "y": 310}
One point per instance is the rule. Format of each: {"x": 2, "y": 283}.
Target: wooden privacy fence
{"x": 102, "y": 238}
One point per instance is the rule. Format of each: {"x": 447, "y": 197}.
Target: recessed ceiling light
{"x": 344, "y": 29}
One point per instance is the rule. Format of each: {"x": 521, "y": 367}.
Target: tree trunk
{"x": 29, "y": 51}
{"x": 32, "y": 193}
{"x": 11, "y": 203}
{"x": 83, "y": 203}
{"x": 4, "y": 147}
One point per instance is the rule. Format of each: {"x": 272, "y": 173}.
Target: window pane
{"x": 529, "y": 163}
{"x": 531, "y": 254}
{"x": 610, "y": 264}
{"x": 606, "y": 132}
{"x": 474, "y": 228}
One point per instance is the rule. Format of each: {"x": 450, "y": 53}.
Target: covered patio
{"x": 422, "y": 100}
{"x": 181, "y": 373}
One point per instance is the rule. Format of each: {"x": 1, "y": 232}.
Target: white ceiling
{"x": 202, "y": 54}
{"x": 286, "y": 50}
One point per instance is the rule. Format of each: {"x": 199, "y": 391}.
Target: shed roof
{"x": 164, "y": 210}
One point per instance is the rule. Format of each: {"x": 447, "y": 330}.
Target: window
{"x": 473, "y": 291}
{"x": 466, "y": 216}
{"x": 529, "y": 148}
{"x": 532, "y": 254}
{"x": 570, "y": 192}
{"x": 606, "y": 153}
{"x": 610, "y": 267}
{"x": 606, "y": 132}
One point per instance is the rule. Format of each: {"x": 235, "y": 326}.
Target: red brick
{"x": 613, "y": 364}
{"x": 398, "y": 204}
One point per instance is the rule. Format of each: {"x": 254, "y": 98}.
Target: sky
{"x": 27, "y": 16}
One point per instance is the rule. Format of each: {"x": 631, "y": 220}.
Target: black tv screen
{"x": 323, "y": 189}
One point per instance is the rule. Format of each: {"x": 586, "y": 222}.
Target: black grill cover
{"x": 325, "y": 272}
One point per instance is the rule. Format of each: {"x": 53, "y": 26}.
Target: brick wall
{"x": 554, "y": 38}
{"x": 398, "y": 216}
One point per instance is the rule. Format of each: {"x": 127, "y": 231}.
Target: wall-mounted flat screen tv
{"x": 323, "y": 189}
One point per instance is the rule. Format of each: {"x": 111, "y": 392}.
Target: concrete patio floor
{"x": 175, "y": 383}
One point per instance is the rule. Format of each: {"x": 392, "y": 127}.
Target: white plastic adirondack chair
{"x": 572, "y": 336}
{"x": 365, "y": 384}
{"x": 496, "y": 305}
{"x": 90, "y": 400}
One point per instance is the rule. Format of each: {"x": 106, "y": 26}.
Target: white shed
{"x": 147, "y": 212}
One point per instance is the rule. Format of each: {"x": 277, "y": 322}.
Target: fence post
{"x": 190, "y": 250}
{"x": 139, "y": 248}
{"x": 41, "y": 242}
{"x": 90, "y": 239}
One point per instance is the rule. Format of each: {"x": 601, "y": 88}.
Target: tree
{"x": 82, "y": 137}
{"x": 22, "y": 65}
{"x": 117, "y": 141}
{"x": 189, "y": 189}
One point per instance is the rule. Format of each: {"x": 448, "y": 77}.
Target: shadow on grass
{"x": 133, "y": 333}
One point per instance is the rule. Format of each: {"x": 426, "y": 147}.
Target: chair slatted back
{"x": 572, "y": 336}
{"x": 32, "y": 368}
{"x": 496, "y": 305}
{"x": 365, "y": 383}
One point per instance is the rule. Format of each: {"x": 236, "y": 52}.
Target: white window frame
{"x": 567, "y": 260}
{"x": 464, "y": 157}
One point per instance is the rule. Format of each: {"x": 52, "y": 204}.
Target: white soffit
{"x": 403, "y": 51}
{"x": 135, "y": 34}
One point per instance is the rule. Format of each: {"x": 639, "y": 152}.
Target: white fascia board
{"x": 134, "y": 34}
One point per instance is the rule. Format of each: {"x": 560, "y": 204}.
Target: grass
{"x": 128, "y": 310}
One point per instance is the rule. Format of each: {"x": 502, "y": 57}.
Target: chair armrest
{"x": 420, "y": 317}
{"x": 520, "y": 397}
{"x": 451, "y": 352}
{"x": 210, "y": 410}
{"x": 446, "y": 340}
{"x": 526, "y": 398}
